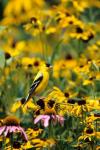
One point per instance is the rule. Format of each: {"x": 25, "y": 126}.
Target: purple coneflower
{"x": 11, "y": 125}
{"x": 46, "y": 118}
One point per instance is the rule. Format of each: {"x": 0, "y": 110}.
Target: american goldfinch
{"x": 40, "y": 82}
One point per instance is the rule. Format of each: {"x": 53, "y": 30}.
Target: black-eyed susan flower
{"x": 19, "y": 105}
{"x": 33, "y": 133}
{"x": 80, "y": 6}
{"x": 43, "y": 143}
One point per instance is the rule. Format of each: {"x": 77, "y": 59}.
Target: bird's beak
{"x": 51, "y": 67}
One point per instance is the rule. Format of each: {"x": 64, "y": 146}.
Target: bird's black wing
{"x": 35, "y": 84}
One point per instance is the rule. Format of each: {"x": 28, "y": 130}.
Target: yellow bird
{"x": 40, "y": 82}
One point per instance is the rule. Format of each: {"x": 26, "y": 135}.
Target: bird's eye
{"x": 7, "y": 55}
{"x": 23, "y": 100}
{"x": 48, "y": 65}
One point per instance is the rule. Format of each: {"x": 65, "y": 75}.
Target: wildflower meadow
{"x": 49, "y": 74}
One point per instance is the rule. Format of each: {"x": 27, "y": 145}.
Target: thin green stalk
{"x": 92, "y": 147}
{"x": 3, "y": 143}
{"x": 96, "y": 125}
{"x": 56, "y": 49}
{"x": 11, "y": 141}
{"x": 51, "y": 130}
{"x": 46, "y": 47}
{"x": 96, "y": 128}
{"x": 43, "y": 47}
{"x": 82, "y": 114}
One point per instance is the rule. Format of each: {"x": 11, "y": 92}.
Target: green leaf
{"x": 56, "y": 49}
{"x": 2, "y": 59}
{"x": 94, "y": 67}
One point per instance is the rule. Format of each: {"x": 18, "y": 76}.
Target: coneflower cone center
{"x": 11, "y": 121}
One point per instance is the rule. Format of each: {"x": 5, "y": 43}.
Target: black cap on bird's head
{"x": 48, "y": 65}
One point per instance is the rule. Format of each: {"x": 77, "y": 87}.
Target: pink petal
{"x": 60, "y": 119}
{"x": 13, "y": 129}
{"x": 10, "y": 129}
{"x": 7, "y": 130}
{"x": 44, "y": 118}
{"x": 54, "y": 119}
{"x": 23, "y": 132}
{"x": 37, "y": 119}
{"x": 2, "y": 129}
{"x": 46, "y": 121}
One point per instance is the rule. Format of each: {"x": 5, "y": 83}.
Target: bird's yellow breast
{"x": 43, "y": 83}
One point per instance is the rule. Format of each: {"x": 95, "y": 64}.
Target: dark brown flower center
{"x": 67, "y": 14}
{"x": 51, "y": 103}
{"x": 97, "y": 114}
{"x": 16, "y": 145}
{"x": 36, "y": 63}
{"x": 71, "y": 101}
{"x": 66, "y": 94}
{"x": 36, "y": 129}
{"x": 81, "y": 66}
{"x": 70, "y": 22}
{"x": 89, "y": 131}
{"x": 29, "y": 65}
{"x": 68, "y": 57}
{"x": 13, "y": 44}
{"x": 41, "y": 103}
{"x": 53, "y": 2}
{"x": 33, "y": 19}
{"x": 91, "y": 36}
{"x": 58, "y": 19}
{"x": 11, "y": 121}
{"x": 91, "y": 78}
{"x": 79, "y": 30}
{"x": 81, "y": 102}
{"x": 37, "y": 112}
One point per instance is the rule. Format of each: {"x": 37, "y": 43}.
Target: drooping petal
{"x": 14, "y": 129}
{"x": 7, "y": 130}
{"x": 60, "y": 119}
{"x": 23, "y": 132}
{"x": 11, "y": 129}
{"x": 38, "y": 118}
{"x": 2, "y": 129}
{"x": 54, "y": 119}
{"x": 46, "y": 120}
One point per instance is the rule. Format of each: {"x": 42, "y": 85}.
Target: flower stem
{"x": 51, "y": 130}
{"x": 82, "y": 114}
{"x": 96, "y": 128}
{"x": 11, "y": 141}
{"x": 3, "y": 143}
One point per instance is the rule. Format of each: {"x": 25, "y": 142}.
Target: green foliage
{"x": 2, "y": 59}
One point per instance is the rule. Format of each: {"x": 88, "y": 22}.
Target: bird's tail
{"x": 26, "y": 100}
